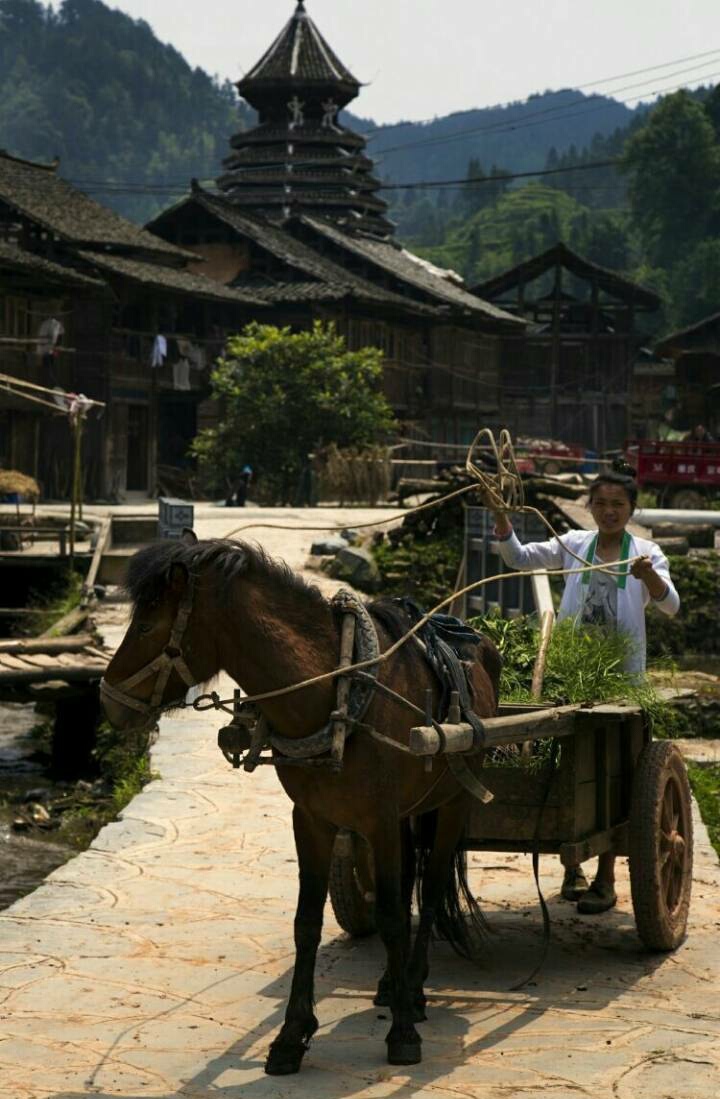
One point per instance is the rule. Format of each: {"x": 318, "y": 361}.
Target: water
{"x": 25, "y": 861}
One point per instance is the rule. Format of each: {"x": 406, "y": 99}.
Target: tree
{"x": 284, "y": 394}
{"x": 674, "y": 167}
{"x": 695, "y": 284}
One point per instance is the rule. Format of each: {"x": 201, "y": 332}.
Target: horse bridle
{"x": 169, "y": 660}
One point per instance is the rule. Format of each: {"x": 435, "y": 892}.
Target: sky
{"x": 424, "y": 58}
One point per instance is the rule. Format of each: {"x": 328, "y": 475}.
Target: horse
{"x": 201, "y": 607}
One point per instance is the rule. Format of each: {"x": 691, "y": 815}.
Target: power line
{"x": 500, "y": 178}
{"x": 140, "y": 189}
{"x": 579, "y": 87}
{"x": 523, "y": 123}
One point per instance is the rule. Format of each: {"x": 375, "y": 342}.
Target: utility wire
{"x": 577, "y": 88}
{"x": 523, "y": 123}
{"x": 526, "y": 121}
{"x": 416, "y": 185}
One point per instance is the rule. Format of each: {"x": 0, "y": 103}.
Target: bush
{"x": 696, "y": 629}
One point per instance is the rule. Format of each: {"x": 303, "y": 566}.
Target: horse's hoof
{"x": 404, "y": 1053}
{"x": 285, "y": 1059}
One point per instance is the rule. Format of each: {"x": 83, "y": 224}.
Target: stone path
{"x": 158, "y": 963}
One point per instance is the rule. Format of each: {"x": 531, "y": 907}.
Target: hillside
{"x": 517, "y": 135}
{"x": 96, "y": 88}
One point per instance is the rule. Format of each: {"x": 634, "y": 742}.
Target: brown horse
{"x": 203, "y": 607}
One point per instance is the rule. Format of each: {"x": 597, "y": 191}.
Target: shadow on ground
{"x": 472, "y": 1011}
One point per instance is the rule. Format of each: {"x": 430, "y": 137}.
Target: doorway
{"x": 137, "y": 448}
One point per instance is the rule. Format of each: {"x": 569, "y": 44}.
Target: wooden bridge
{"x": 49, "y": 667}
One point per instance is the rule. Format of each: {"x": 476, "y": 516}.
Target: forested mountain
{"x": 97, "y": 88}
{"x": 132, "y": 123}
{"x": 517, "y": 135}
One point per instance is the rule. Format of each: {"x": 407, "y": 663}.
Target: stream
{"x": 24, "y": 860}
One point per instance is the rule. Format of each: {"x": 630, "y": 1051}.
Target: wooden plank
{"x": 101, "y": 547}
{"x": 21, "y": 646}
{"x": 39, "y": 660}
{"x": 68, "y": 622}
{"x": 74, "y": 673}
{"x": 613, "y": 839}
{"x": 9, "y": 661}
{"x": 556, "y": 722}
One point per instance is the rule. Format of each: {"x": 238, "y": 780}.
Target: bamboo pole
{"x": 75, "y": 491}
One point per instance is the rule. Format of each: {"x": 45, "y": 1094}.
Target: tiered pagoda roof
{"x": 299, "y": 159}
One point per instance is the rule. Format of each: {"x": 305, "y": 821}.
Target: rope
{"x": 361, "y": 665}
{"x": 503, "y": 492}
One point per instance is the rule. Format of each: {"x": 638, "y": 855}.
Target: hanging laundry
{"x": 184, "y": 347}
{"x": 196, "y": 355}
{"x": 181, "y": 374}
{"x": 49, "y": 333}
{"x": 159, "y": 351}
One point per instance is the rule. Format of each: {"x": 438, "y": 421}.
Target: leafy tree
{"x": 695, "y": 283}
{"x": 674, "y": 167}
{"x": 284, "y": 394}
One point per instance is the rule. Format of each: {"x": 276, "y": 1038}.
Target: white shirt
{"x": 631, "y": 600}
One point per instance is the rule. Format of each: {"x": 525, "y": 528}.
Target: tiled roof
{"x": 409, "y": 269}
{"x": 299, "y": 256}
{"x": 610, "y": 281}
{"x": 18, "y": 259}
{"x": 708, "y": 330}
{"x": 299, "y": 54}
{"x": 36, "y": 191}
{"x": 169, "y": 278}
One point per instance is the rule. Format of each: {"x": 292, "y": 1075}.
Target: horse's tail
{"x": 458, "y": 917}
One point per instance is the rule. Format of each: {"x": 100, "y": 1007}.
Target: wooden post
{"x": 546, "y": 628}
{"x": 555, "y": 355}
{"x": 75, "y": 486}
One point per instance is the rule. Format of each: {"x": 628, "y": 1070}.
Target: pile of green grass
{"x": 585, "y": 664}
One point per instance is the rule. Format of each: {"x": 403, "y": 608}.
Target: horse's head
{"x": 162, "y": 653}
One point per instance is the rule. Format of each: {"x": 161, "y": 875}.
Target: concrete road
{"x": 158, "y": 963}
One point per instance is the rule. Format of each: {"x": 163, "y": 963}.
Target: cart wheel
{"x": 352, "y": 885}
{"x": 688, "y": 499}
{"x": 661, "y": 846}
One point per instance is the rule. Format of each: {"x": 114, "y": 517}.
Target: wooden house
{"x": 693, "y": 355}
{"x": 570, "y": 376}
{"x": 115, "y": 299}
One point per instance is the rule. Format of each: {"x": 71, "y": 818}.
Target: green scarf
{"x": 624, "y": 554}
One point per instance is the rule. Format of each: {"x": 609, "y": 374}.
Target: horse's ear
{"x": 189, "y": 537}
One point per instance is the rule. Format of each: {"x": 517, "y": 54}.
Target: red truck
{"x": 684, "y": 474}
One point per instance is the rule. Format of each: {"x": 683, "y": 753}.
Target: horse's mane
{"x": 149, "y": 569}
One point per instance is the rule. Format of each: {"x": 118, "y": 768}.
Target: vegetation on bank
{"x": 696, "y": 629}
{"x": 705, "y": 783}
{"x": 123, "y": 764}
{"x": 51, "y": 606}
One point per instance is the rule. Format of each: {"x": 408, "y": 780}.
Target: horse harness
{"x": 169, "y": 660}
{"x": 249, "y": 740}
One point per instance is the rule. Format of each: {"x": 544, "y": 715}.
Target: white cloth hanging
{"x": 49, "y": 333}
{"x": 159, "y": 351}
{"x": 181, "y": 374}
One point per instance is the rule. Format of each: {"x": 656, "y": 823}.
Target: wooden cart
{"x": 612, "y": 788}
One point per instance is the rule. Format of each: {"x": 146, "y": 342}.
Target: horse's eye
{"x": 144, "y": 627}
